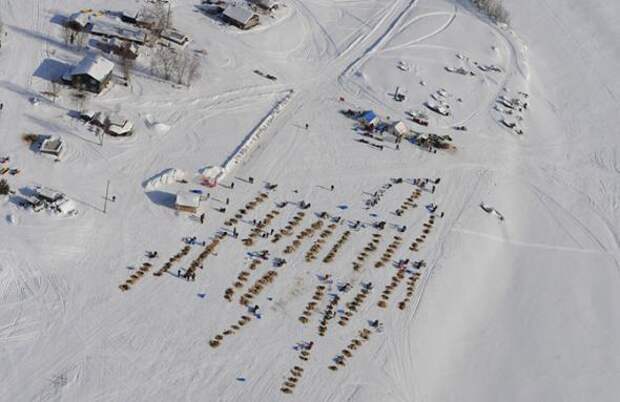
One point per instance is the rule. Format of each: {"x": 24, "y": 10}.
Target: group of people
{"x": 193, "y": 241}
{"x": 188, "y": 275}
{"x": 423, "y": 182}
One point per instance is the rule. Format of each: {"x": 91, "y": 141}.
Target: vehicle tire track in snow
{"x": 436, "y": 32}
{"x": 353, "y": 68}
{"x": 541, "y": 246}
{"x": 596, "y": 210}
{"x": 34, "y": 300}
{"x": 309, "y": 15}
{"x": 368, "y": 52}
{"x": 553, "y": 206}
{"x": 402, "y": 346}
{"x": 339, "y": 67}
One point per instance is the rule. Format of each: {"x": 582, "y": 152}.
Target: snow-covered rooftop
{"x": 82, "y": 19}
{"x": 400, "y": 128}
{"x": 48, "y": 193}
{"x": 96, "y": 67}
{"x": 52, "y": 145}
{"x": 187, "y": 199}
{"x": 237, "y": 13}
{"x": 112, "y": 28}
{"x": 120, "y": 125}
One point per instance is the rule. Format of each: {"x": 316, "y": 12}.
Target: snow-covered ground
{"x": 520, "y": 309}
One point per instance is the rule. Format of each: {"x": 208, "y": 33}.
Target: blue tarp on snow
{"x": 368, "y": 117}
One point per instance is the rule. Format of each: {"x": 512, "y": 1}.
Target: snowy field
{"x": 525, "y": 308}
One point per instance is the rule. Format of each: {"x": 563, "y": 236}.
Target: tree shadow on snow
{"x": 19, "y": 90}
{"x": 44, "y": 38}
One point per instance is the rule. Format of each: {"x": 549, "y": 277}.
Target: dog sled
{"x": 265, "y": 75}
{"x": 490, "y": 210}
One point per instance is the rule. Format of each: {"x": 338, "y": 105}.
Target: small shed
{"x": 187, "y": 202}
{"x": 138, "y": 19}
{"x": 240, "y": 17}
{"x": 36, "y": 204}
{"x": 93, "y": 73}
{"x": 89, "y": 116}
{"x": 79, "y": 22}
{"x": 113, "y": 124}
{"x": 48, "y": 195}
{"x": 129, "y": 17}
{"x": 399, "y": 129}
{"x": 268, "y": 5}
{"x": 111, "y": 29}
{"x": 174, "y": 36}
{"x": 52, "y": 146}
{"x": 120, "y": 47}
{"x": 118, "y": 126}
{"x": 369, "y": 119}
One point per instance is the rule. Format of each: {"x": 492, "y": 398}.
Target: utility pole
{"x": 105, "y": 200}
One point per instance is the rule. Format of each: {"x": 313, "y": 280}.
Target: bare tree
{"x": 80, "y": 39}
{"x": 163, "y": 62}
{"x": 181, "y": 66}
{"x": 157, "y": 17}
{"x": 68, "y": 34}
{"x": 1, "y": 31}
{"x": 54, "y": 89}
{"x": 193, "y": 70}
{"x": 494, "y": 9}
{"x": 5, "y": 188}
{"x": 80, "y": 97}
{"x": 126, "y": 60}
